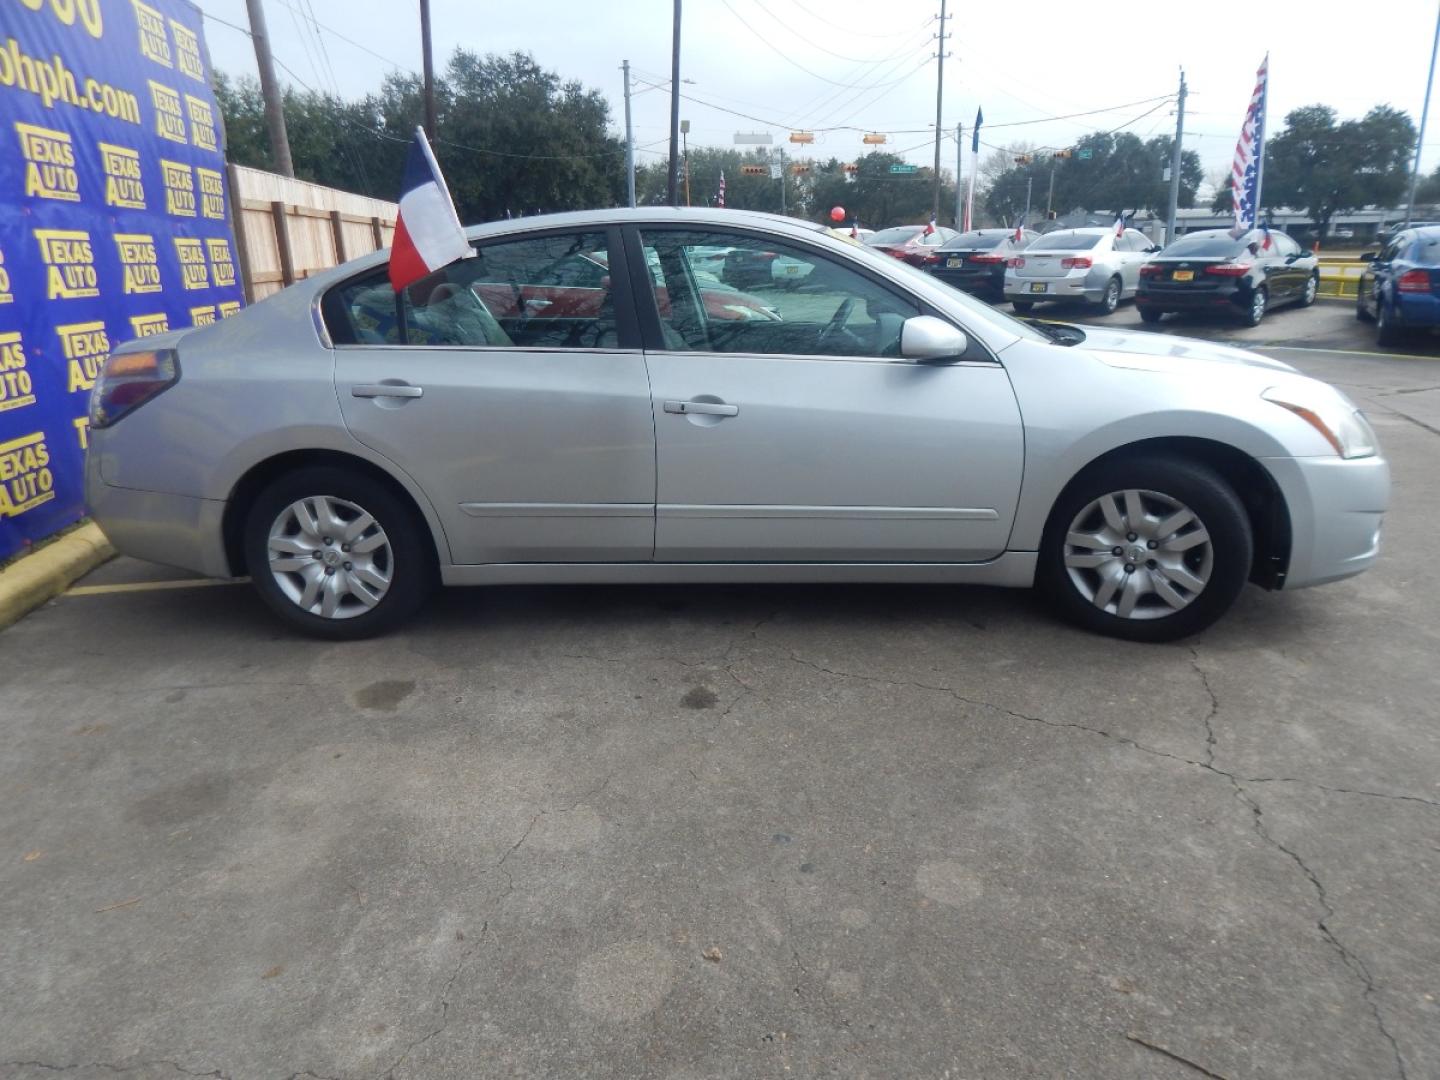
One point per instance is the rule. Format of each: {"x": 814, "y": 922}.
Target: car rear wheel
{"x": 1150, "y": 315}
{"x": 1255, "y": 310}
{"x": 336, "y": 554}
{"x": 1312, "y": 290}
{"x": 1386, "y": 332}
{"x": 1146, "y": 550}
{"x": 1022, "y": 307}
{"x": 1110, "y": 299}
{"x": 1361, "y": 312}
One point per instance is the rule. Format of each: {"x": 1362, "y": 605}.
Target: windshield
{"x": 976, "y": 241}
{"x": 1066, "y": 241}
{"x": 1205, "y": 245}
{"x": 897, "y": 235}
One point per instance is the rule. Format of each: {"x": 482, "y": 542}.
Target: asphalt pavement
{"x": 738, "y": 832}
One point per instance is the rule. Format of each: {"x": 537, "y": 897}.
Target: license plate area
{"x": 1039, "y": 286}
{"x": 954, "y": 261}
{"x": 1183, "y": 275}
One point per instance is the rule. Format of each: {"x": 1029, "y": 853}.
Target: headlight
{"x": 1341, "y": 424}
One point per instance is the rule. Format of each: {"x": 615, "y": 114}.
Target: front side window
{"x": 767, "y": 297}
{"x": 548, "y": 291}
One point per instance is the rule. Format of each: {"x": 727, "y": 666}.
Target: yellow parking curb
{"x": 28, "y": 582}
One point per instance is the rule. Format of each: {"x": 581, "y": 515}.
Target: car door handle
{"x": 701, "y": 408}
{"x": 374, "y": 390}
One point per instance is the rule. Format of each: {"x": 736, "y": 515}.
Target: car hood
{"x": 1142, "y": 351}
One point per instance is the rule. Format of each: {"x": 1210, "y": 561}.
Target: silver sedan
{"x": 1100, "y": 266}
{"x": 521, "y": 416}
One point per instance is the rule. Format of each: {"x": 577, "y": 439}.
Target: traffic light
{"x": 1024, "y": 159}
{"x": 799, "y": 170}
{"x": 753, "y": 170}
{"x": 1064, "y": 153}
{"x": 850, "y": 167}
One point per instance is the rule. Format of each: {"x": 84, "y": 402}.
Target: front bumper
{"x": 176, "y": 530}
{"x": 1336, "y": 511}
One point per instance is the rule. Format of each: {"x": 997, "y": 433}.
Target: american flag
{"x": 720, "y": 195}
{"x": 1249, "y": 152}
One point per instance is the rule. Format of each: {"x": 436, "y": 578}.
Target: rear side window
{"x": 1426, "y": 250}
{"x": 549, "y": 291}
{"x": 974, "y": 241}
{"x": 898, "y": 235}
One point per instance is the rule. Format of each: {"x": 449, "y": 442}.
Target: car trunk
{"x": 1186, "y": 275}
{"x": 1047, "y": 264}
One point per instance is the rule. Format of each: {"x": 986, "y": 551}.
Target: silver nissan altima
{"x": 577, "y": 403}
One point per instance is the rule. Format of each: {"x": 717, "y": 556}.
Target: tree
{"x": 1328, "y": 168}
{"x": 1428, "y": 190}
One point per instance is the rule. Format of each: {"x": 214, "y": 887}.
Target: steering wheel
{"x": 836, "y": 323}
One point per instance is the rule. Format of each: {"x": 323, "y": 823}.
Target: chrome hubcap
{"x": 330, "y": 557}
{"x": 1310, "y": 289}
{"x": 1138, "y": 554}
{"x": 1257, "y": 305}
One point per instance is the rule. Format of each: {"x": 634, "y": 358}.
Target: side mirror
{"x": 925, "y": 337}
{"x": 1153, "y": 248}
{"x": 1306, "y": 254}
{"x": 1370, "y": 256}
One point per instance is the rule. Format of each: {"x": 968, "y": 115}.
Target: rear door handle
{"x": 701, "y": 408}
{"x": 374, "y": 390}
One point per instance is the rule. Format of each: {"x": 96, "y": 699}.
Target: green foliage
{"x": 1328, "y": 168}
{"x": 1428, "y": 190}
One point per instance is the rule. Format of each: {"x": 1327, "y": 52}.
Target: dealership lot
{"x": 723, "y": 831}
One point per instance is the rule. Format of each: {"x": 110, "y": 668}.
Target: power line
{"x": 847, "y": 29}
{"x": 781, "y": 53}
{"x": 352, "y": 42}
{"x": 808, "y": 41}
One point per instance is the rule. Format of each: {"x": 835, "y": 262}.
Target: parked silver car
{"x": 511, "y": 420}
{"x": 1078, "y": 264}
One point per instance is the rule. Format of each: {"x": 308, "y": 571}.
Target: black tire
{"x": 1311, "y": 290}
{"x": 1022, "y": 307}
{"x": 1254, "y": 312}
{"x": 1150, "y": 315}
{"x": 1386, "y": 332}
{"x": 1360, "y": 313}
{"x": 409, "y": 560}
{"x": 1200, "y": 489}
{"x": 1107, "y": 304}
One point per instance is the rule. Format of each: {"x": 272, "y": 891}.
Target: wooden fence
{"x": 286, "y": 230}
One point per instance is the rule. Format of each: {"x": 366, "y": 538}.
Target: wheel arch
{"x": 1252, "y": 483}
{"x": 259, "y": 476}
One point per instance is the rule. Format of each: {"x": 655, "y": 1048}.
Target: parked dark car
{"x": 1248, "y": 274}
{"x": 1400, "y": 288}
{"x": 975, "y": 261}
{"x": 911, "y": 243}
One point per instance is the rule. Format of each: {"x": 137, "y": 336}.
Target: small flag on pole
{"x": 720, "y": 195}
{"x": 1020, "y": 229}
{"x": 427, "y": 230}
{"x": 854, "y": 228}
{"x": 1119, "y": 225}
{"x": 969, "y": 218}
{"x": 929, "y": 226}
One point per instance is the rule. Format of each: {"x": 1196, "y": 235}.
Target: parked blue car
{"x": 1400, "y": 288}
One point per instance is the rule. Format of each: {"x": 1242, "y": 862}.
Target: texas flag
{"x": 1119, "y": 224}
{"x": 929, "y": 226}
{"x": 427, "y": 232}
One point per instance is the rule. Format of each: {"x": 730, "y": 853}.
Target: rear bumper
{"x": 1057, "y": 288}
{"x": 1336, "y": 508}
{"x": 176, "y": 530}
{"x": 1417, "y": 309}
{"x": 981, "y": 282}
{"x": 1187, "y": 300}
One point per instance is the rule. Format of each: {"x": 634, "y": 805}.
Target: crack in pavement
{"x": 1214, "y": 706}
{"x": 444, "y": 1003}
{"x": 111, "y": 1067}
{"x": 1352, "y": 962}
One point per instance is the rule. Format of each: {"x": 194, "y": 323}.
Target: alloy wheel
{"x": 1257, "y": 306}
{"x": 1138, "y": 554}
{"x": 1312, "y": 286}
{"x": 330, "y": 557}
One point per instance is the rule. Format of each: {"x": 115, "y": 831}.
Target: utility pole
{"x": 629, "y": 141}
{"x": 782, "y": 180}
{"x": 939, "y": 103}
{"x": 428, "y": 63}
{"x": 1175, "y": 152}
{"x": 1050, "y": 198}
{"x": 1029, "y": 179}
{"x": 270, "y": 90}
{"x": 1419, "y": 140}
{"x": 959, "y": 170}
{"x": 674, "y": 192}
{"x": 685, "y": 156}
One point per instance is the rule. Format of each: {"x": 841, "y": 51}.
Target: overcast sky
{"x": 814, "y": 64}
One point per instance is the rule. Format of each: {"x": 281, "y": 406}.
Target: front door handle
{"x": 374, "y": 390}
{"x": 701, "y": 408}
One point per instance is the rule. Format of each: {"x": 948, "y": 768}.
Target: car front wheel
{"x": 336, "y": 554}
{"x": 1255, "y": 308}
{"x": 1311, "y": 290}
{"x": 1386, "y": 332}
{"x": 1147, "y": 550}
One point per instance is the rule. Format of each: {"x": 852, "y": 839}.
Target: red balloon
{"x": 837, "y": 213}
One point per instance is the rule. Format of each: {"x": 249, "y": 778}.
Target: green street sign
{"x": 904, "y": 168}
{"x": 1086, "y": 155}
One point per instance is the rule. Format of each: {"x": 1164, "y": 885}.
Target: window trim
{"x": 627, "y": 323}
{"x": 653, "y": 336}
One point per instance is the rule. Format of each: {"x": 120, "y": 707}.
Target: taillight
{"x": 929, "y": 258}
{"x": 1413, "y": 281}
{"x": 1080, "y": 262}
{"x": 987, "y": 260}
{"x": 898, "y": 253}
{"x": 1149, "y": 270}
{"x": 1016, "y": 262}
{"x": 1228, "y": 269}
{"x": 128, "y": 380}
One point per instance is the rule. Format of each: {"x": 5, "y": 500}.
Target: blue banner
{"x": 113, "y": 223}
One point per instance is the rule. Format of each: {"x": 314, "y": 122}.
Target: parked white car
{"x": 1094, "y": 265}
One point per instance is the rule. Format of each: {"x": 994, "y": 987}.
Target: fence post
{"x": 377, "y": 233}
{"x": 237, "y": 224}
{"x": 337, "y": 231}
{"x": 282, "y": 242}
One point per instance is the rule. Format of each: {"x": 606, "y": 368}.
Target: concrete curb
{"x": 27, "y": 583}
